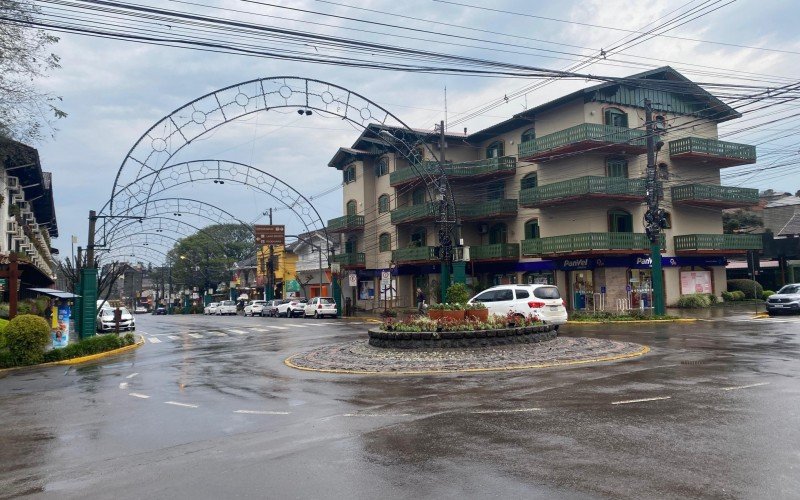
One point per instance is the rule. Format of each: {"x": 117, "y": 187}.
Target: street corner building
{"x": 27, "y": 217}
{"x": 555, "y": 194}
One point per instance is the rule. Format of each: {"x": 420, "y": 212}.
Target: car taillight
{"x": 535, "y": 305}
{"x": 319, "y": 306}
{"x": 563, "y": 302}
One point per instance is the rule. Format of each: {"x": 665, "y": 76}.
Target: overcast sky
{"x": 115, "y": 90}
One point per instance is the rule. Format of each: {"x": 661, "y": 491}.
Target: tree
{"x": 740, "y": 221}
{"x": 25, "y": 111}
{"x": 205, "y": 258}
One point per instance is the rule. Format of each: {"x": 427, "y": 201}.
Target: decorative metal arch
{"x": 177, "y": 174}
{"x": 159, "y": 240}
{"x": 156, "y": 147}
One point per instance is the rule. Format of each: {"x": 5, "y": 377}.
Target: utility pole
{"x": 655, "y": 219}
{"x": 445, "y": 243}
{"x": 270, "y": 294}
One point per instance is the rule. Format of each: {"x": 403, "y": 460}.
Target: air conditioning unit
{"x": 483, "y": 228}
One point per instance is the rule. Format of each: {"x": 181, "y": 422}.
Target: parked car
{"x": 271, "y": 307}
{"x": 292, "y": 308}
{"x": 320, "y": 307}
{"x": 226, "y": 307}
{"x": 543, "y": 301}
{"x": 211, "y": 308}
{"x": 255, "y": 308}
{"x": 140, "y": 310}
{"x": 106, "y": 322}
{"x": 787, "y": 300}
{"x": 160, "y": 311}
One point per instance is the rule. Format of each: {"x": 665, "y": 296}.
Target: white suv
{"x": 226, "y": 307}
{"x": 543, "y": 301}
{"x": 255, "y": 307}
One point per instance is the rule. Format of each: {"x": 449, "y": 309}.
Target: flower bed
{"x": 423, "y": 333}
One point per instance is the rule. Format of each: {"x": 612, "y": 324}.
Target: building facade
{"x": 313, "y": 272}
{"x": 555, "y": 194}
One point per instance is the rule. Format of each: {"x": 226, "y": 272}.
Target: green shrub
{"x": 26, "y": 336}
{"x": 739, "y": 295}
{"x": 713, "y": 299}
{"x": 4, "y": 310}
{"x": 41, "y": 304}
{"x": 727, "y": 296}
{"x": 748, "y": 287}
{"x": 457, "y": 293}
{"x": 694, "y": 301}
{"x": 89, "y": 346}
{"x": 766, "y": 293}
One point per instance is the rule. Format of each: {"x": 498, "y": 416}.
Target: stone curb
{"x": 635, "y": 321}
{"x": 79, "y": 360}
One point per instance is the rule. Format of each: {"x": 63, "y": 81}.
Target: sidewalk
{"x": 721, "y": 310}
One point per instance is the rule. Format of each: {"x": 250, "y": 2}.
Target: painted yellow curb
{"x": 641, "y": 352}
{"x": 82, "y": 359}
{"x": 676, "y": 320}
{"x": 761, "y": 316}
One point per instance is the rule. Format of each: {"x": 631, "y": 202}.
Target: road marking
{"x": 260, "y": 412}
{"x": 240, "y": 332}
{"x": 280, "y": 327}
{"x": 123, "y": 385}
{"x": 354, "y": 322}
{"x": 137, "y": 395}
{"x": 515, "y": 410}
{"x": 196, "y": 335}
{"x": 219, "y": 334}
{"x": 376, "y": 414}
{"x": 173, "y": 337}
{"x": 315, "y": 324}
{"x": 175, "y": 403}
{"x": 643, "y": 400}
{"x": 295, "y": 325}
{"x": 744, "y": 386}
{"x": 132, "y": 375}
{"x": 154, "y": 340}
{"x": 258, "y": 329}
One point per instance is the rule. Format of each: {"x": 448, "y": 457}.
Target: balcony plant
{"x": 446, "y": 310}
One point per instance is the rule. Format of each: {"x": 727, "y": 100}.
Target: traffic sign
{"x": 269, "y": 235}
{"x": 352, "y": 279}
{"x": 386, "y": 275}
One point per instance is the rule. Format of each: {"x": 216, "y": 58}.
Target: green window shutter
{"x": 617, "y": 168}
{"x": 529, "y": 181}
{"x": 383, "y": 203}
{"x": 418, "y": 196}
{"x": 385, "y": 242}
{"x": 351, "y": 207}
{"x": 532, "y": 229}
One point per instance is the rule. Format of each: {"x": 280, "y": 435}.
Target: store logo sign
{"x": 644, "y": 261}
{"x": 576, "y": 263}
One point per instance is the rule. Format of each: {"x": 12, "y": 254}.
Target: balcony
{"x": 705, "y": 195}
{"x": 724, "y": 154}
{"x": 414, "y": 254}
{"x": 414, "y": 213}
{"x": 717, "y": 243}
{"x": 346, "y": 223}
{"x": 495, "y": 252}
{"x": 488, "y": 209}
{"x": 349, "y": 260}
{"x": 588, "y": 187}
{"x": 479, "y": 169}
{"x": 588, "y": 243}
{"x": 584, "y": 138}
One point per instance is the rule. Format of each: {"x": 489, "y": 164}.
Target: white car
{"x": 106, "y": 322}
{"x": 543, "y": 301}
{"x": 255, "y": 308}
{"x": 140, "y": 310}
{"x": 320, "y": 307}
{"x": 226, "y": 307}
{"x": 291, "y": 308}
{"x": 211, "y": 308}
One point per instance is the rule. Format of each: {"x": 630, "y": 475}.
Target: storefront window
{"x": 539, "y": 278}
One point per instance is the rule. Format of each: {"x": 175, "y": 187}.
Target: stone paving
{"x": 359, "y": 357}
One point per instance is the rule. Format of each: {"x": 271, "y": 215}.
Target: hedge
{"x": 694, "y": 301}
{"x": 766, "y": 293}
{"x": 26, "y": 336}
{"x": 747, "y": 287}
{"x": 92, "y": 345}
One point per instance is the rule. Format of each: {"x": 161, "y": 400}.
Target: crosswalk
{"x": 231, "y": 332}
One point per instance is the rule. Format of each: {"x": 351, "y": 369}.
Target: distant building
{"x": 313, "y": 271}
{"x": 782, "y": 216}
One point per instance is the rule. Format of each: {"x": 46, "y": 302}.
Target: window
{"x": 616, "y": 117}
{"x": 350, "y": 245}
{"x": 349, "y": 174}
{"x": 546, "y": 292}
{"x": 616, "y": 168}
{"x": 418, "y": 196}
{"x": 351, "y": 207}
{"x": 620, "y": 221}
{"x": 382, "y": 166}
{"x": 528, "y": 135}
{"x": 383, "y": 203}
{"x": 496, "y": 190}
{"x": 532, "y": 229}
{"x": 385, "y": 242}
{"x": 529, "y": 181}
{"x": 667, "y": 220}
{"x": 523, "y": 294}
{"x": 495, "y": 150}
{"x": 500, "y": 295}
{"x": 419, "y": 237}
{"x": 487, "y": 296}
{"x": 498, "y": 234}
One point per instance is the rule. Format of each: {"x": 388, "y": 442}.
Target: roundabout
{"x": 360, "y": 357}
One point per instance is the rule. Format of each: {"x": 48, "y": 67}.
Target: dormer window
{"x": 615, "y": 117}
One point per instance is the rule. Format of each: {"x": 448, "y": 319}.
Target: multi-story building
{"x": 27, "y": 213}
{"x": 555, "y": 194}
{"x": 313, "y": 273}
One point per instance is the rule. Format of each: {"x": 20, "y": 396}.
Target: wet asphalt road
{"x": 206, "y": 409}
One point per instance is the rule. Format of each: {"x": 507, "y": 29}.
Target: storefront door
{"x": 581, "y": 289}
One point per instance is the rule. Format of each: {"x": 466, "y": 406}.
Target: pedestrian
{"x": 420, "y": 301}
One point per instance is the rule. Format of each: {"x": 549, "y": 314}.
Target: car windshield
{"x": 124, "y": 310}
{"x": 325, "y": 300}
{"x": 228, "y": 303}
{"x": 790, "y": 289}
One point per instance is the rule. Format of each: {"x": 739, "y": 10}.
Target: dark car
{"x": 160, "y": 310}
{"x": 271, "y": 307}
{"x": 787, "y": 300}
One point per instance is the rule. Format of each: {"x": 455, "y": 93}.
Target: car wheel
{"x": 316, "y": 315}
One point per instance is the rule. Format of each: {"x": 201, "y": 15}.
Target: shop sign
{"x": 695, "y": 282}
{"x": 352, "y": 279}
{"x": 575, "y": 264}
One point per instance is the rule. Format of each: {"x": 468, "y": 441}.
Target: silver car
{"x": 787, "y": 300}
{"x": 106, "y": 322}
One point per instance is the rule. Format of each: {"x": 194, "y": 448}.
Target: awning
{"x": 59, "y": 294}
{"x": 764, "y": 264}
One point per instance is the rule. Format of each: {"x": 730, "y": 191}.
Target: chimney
{"x": 465, "y": 130}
